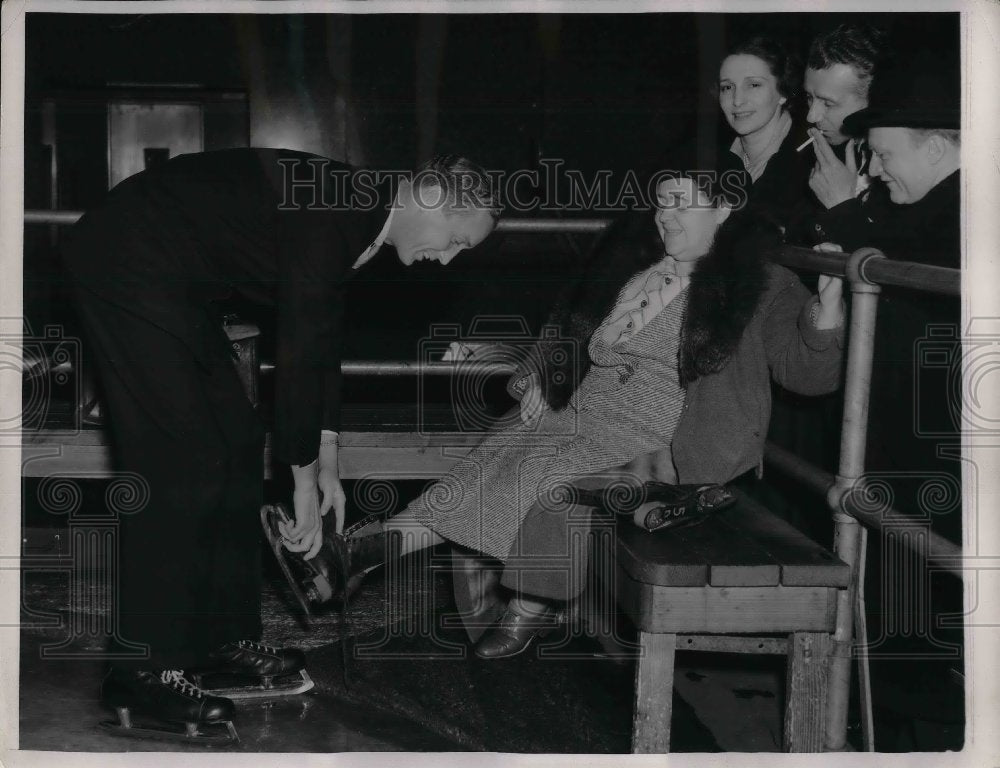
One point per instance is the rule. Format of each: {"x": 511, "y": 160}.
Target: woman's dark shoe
{"x": 167, "y": 698}
{"x": 514, "y": 632}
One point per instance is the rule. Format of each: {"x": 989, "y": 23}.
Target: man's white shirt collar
{"x": 372, "y": 249}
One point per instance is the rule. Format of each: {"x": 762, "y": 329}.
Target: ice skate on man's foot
{"x": 166, "y": 705}
{"x": 250, "y": 670}
{"x": 337, "y": 570}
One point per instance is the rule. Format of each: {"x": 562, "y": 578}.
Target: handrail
{"x": 552, "y": 226}
{"x": 865, "y": 271}
{"x": 942, "y": 552}
{"x": 39, "y": 366}
{"x": 51, "y": 217}
{"x": 904, "y": 274}
{"x": 520, "y": 226}
{"x": 419, "y": 368}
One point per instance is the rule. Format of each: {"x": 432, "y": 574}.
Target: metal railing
{"x": 51, "y": 217}
{"x": 866, "y": 271}
{"x": 923, "y": 277}
{"x": 520, "y": 226}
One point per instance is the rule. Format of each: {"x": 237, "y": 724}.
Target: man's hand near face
{"x": 832, "y": 181}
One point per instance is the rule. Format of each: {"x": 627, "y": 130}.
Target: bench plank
{"x": 655, "y": 608}
{"x": 803, "y": 562}
{"x": 738, "y": 560}
{"x": 745, "y": 545}
{"x": 713, "y": 552}
{"x": 675, "y": 559}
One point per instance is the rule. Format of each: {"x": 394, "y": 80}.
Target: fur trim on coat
{"x": 726, "y": 287}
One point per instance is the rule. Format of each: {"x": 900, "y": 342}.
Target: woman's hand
{"x": 532, "y": 403}
{"x": 831, "y": 290}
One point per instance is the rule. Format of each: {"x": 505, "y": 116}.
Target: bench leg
{"x": 654, "y": 690}
{"x": 805, "y": 692}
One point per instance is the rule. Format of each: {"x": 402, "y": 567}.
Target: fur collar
{"x": 725, "y": 290}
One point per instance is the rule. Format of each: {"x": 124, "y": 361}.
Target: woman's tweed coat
{"x": 746, "y": 320}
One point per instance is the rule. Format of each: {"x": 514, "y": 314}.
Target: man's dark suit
{"x": 145, "y": 266}
{"x": 929, "y": 232}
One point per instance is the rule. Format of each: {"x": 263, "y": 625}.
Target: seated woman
{"x": 759, "y": 81}
{"x": 680, "y": 323}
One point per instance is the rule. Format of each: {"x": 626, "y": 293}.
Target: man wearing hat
{"x": 912, "y": 124}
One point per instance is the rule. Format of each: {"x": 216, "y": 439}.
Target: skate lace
{"x": 176, "y": 679}
{"x": 259, "y": 647}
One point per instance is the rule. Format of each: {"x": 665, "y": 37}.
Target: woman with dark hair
{"x": 759, "y": 81}
{"x": 680, "y": 322}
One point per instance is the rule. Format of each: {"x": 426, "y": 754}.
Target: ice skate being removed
{"x": 337, "y": 569}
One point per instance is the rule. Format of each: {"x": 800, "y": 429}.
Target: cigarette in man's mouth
{"x": 804, "y": 144}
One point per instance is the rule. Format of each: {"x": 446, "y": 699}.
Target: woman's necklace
{"x": 764, "y": 153}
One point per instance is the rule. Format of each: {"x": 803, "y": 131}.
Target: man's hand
{"x": 306, "y": 534}
{"x": 317, "y": 491}
{"x": 831, "y": 291}
{"x": 831, "y": 181}
{"x": 329, "y": 485}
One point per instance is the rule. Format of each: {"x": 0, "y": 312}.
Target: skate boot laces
{"x": 175, "y": 679}
{"x": 250, "y": 645}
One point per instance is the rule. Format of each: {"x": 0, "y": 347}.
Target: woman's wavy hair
{"x": 782, "y": 62}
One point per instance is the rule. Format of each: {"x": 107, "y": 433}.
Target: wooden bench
{"x": 707, "y": 588}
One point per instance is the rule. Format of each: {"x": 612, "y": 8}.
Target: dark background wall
{"x": 600, "y": 90}
{"x": 596, "y": 91}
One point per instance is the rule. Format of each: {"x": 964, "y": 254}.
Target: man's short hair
{"x": 467, "y": 186}
{"x": 859, "y": 46}
{"x": 920, "y": 135}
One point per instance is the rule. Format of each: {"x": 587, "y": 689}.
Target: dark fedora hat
{"x": 912, "y": 92}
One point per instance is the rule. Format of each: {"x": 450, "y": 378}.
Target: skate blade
{"x": 290, "y": 686}
{"x": 274, "y": 540}
{"x": 205, "y": 734}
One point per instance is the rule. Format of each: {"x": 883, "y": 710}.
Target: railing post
{"x": 847, "y": 530}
